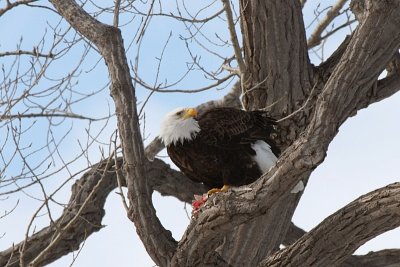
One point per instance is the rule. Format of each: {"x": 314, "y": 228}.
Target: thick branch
{"x": 374, "y": 49}
{"x": 340, "y": 97}
{"x": 338, "y": 236}
{"x": 280, "y": 81}
{"x": 158, "y": 242}
{"x": 250, "y": 242}
{"x": 293, "y": 234}
{"x": 387, "y": 257}
{"x": 88, "y": 223}
{"x": 161, "y": 178}
{"x": 380, "y": 89}
{"x": 393, "y": 67}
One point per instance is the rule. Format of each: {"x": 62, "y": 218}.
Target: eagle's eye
{"x": 179, "y": 113}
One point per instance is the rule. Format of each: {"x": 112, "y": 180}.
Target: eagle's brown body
{"x": 223, "y": 151}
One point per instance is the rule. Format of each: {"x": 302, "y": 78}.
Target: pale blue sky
{"x": 362, "y": 157}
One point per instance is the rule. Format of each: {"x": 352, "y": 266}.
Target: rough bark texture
{"x": 162, "y": 178}
{"x": 338, "y": 236}
{"x": 387, "y": 258}
{"x": 158, "y": 242}
{"x": 342, "y": 94}
{"x": 276, "y": 56}
{"x": 89, "y": 222}
{"x": 281, "y": 79}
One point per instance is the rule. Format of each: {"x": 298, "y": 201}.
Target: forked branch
{"x": 315, "y": 37}
{"x": 343, "y": 232}
{"x": 162, "y": 178}
{"x": 158, "y": 241}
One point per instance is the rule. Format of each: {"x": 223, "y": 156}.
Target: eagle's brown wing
{"x": 229, "y": 127}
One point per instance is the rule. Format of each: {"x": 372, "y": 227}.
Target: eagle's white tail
{"x": 264, "y": 156}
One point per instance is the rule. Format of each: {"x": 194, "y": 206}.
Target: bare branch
{"x": 154, "y": 148}
{"x": 10, "y": 5}
{"x": 116, "y": 13}
{"x": 158, "y": 241}
{"x": 385, "y": 87}
{"x": 8, "y": 212}
{"x": 281, "y": 81}
{"x": 180, "y": 18}
{"x": 315, "y": 38}
{"x": 309, "y": 150}
{"x": 231, "y": 99}
{"x": 394, "y": 65}
{"x": 294, "y": 233}
{"x": 276, "y": 56}
{"x": 234, "y": 39}
{"x": 343, "y": 232}
{"x": 208, "y": 87}
{"x": 62, "y": 231}
{"x": 34, "y": 53}
{"x": 87, "y": 223}
{"x": 387, "y": 257}
{"x": 48, "y": 115}
{"x": 161, "y": 178}
{"x": 333, "y": 31}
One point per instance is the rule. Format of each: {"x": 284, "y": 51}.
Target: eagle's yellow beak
{"x": 190, "y": 112}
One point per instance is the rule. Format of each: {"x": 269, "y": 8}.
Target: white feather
{"x": 266, "y": 159}
{"x": 176, "y": 129}
{"x": 264, "y": 156}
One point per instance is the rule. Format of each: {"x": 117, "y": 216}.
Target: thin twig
{"x": 10, "y": 5}
{"x": 180, "y": 18}
{"x": 302, "y": 107}
{"x": 49, "y": 115}
{"x": 234, "y": 39}
{"x": 34, "y": 52}
{"x": 35, "y": 262}
{"x": 315, "y": 37}
{"x": 6, "y": 213}
{"x": 348, "y": 23}
{"x": 145, "y": 23}
{"x": 220, "y": 81}
{"x": 117, "y": 172}
{"x": 116, "y": 13}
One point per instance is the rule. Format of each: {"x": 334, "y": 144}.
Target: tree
{"x": 275, "y": 74}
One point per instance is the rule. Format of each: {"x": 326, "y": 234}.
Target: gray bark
{"x": 339, "y": 235}
{"x": 279, "y": 78}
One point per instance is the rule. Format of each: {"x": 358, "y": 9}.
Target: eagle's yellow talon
{"x": 225, "y": 188}
{"x": 220, "y": 145}
{"x": 217, "y": 190}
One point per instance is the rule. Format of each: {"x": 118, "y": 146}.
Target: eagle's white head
{"x": 179, "y": 125}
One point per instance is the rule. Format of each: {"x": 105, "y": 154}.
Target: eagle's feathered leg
{"x": 217, "y": 190}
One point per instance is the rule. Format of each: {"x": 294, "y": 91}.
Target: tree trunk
{"x": 279, "y": 80}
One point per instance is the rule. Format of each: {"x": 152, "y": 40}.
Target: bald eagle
{"x": 221, "y": 148}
